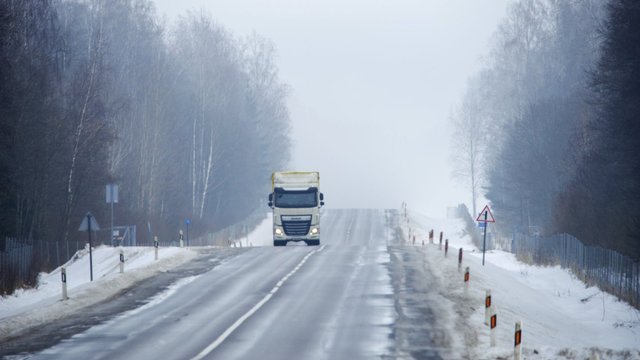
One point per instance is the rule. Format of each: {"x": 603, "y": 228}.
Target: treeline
{"x": 555, "y": 114}
{"x": 188, "y": 120}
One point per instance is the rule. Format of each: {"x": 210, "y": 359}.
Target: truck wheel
{"x": 313, "y": 242}
{"x": 279, "y": 243}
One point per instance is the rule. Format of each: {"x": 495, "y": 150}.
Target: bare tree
{"x": 470, "y": 139}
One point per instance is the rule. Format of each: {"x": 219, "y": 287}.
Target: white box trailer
{"x": 296, "y": 201}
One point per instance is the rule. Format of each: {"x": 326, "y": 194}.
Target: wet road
{"x": 335, "y": 301}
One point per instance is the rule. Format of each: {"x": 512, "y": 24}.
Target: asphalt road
{"x": 335, "y": 301}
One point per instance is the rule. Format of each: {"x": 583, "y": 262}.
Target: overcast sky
{"x": 373, "y": 84}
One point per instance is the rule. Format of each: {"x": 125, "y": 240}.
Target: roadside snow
{"x": 562, "y": 317}
{"x": 32, "y": 307}
{"x": 261, "y": 235}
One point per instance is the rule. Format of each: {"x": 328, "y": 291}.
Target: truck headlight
{"x": 278, "y": 231}
{"x": 314, "y": 231}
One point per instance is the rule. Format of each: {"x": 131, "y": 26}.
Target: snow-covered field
{"x": 562, "y": 317}
{"x": 33, "y": 307}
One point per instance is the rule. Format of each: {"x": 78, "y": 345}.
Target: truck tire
{"x": 279, "y": 242}
{"x": 313, "y": 242}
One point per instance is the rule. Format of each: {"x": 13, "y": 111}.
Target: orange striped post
{"x": 487, "y": 306}
{"x": 494, "y": 325}
{"x": 517, "y": 351}
{"x": 466, "y": 281}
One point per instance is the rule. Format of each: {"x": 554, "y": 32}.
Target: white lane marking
{"x": 253, "y": 310}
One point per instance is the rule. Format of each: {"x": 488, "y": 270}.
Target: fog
{"x": 372, "y": 86}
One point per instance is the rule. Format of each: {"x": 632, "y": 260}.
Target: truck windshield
{"x": 296, "y": 199}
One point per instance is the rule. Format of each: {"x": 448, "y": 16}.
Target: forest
{"x": 548, "y": 131}
{"x": 188, "y": 119}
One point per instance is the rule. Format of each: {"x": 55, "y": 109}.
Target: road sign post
{"x": 89, "y": 224}
{"x": 112, "y": 197}
{"x": 187, "y": 222}
{"x": 484, "y": 238}
{"x": 488, "y": 217}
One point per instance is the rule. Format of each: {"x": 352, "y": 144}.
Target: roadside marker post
{"x": 466, "y": 281}
{"x": 440, "y": 247}
{"x": 431, "y": 236}
{"x": 517, "y": 350}
{"x": 155, "y": 245}
{"x": 494, "y": 324}
{"x": 446, "y": 247}
{"x": 414, "y": 239}
{"x": 181, "y": 237}
{"x": 121, "y": 261}
{"x": 63, "y": 273}
{"x": 459, "y": 259}
{"x": 487, "y": 307}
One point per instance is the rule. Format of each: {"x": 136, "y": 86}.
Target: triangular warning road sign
{"x": 486, "y": 215}
{"x": 89, "y": 222}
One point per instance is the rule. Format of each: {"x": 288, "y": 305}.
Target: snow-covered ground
{"x": 262, "y": 235}
{"x": 33, "y": 307}
{"x": 562, "y": 317}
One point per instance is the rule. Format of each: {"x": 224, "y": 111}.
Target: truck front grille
{"x": 296, "y": 228}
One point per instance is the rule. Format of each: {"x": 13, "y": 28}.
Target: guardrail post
{"x": 63, "y": 274}
{"x": 517, "y": 350}
{"x": 155, "y": 245}
{"x": 121, "y": 261}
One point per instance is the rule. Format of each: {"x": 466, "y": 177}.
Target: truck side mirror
{"x": 270, "y": 197}
{"x": 270, "y": 203}
{"x": 321, "y": 196}
{"x": 321, "y": 203}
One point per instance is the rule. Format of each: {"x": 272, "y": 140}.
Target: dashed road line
{"x": 253, "y": 310}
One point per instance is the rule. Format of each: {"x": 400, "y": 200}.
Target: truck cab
{"x": 296, "y": 201}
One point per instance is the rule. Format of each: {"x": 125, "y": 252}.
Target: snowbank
{"x": 32, "y": 307}
{"x": 562, "y": 317}
{"x": 261, "y": 235}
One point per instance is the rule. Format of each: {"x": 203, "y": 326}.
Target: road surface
{"x": 336, "y": 301}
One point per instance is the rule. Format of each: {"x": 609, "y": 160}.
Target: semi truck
{"x": 296, "y": 200}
